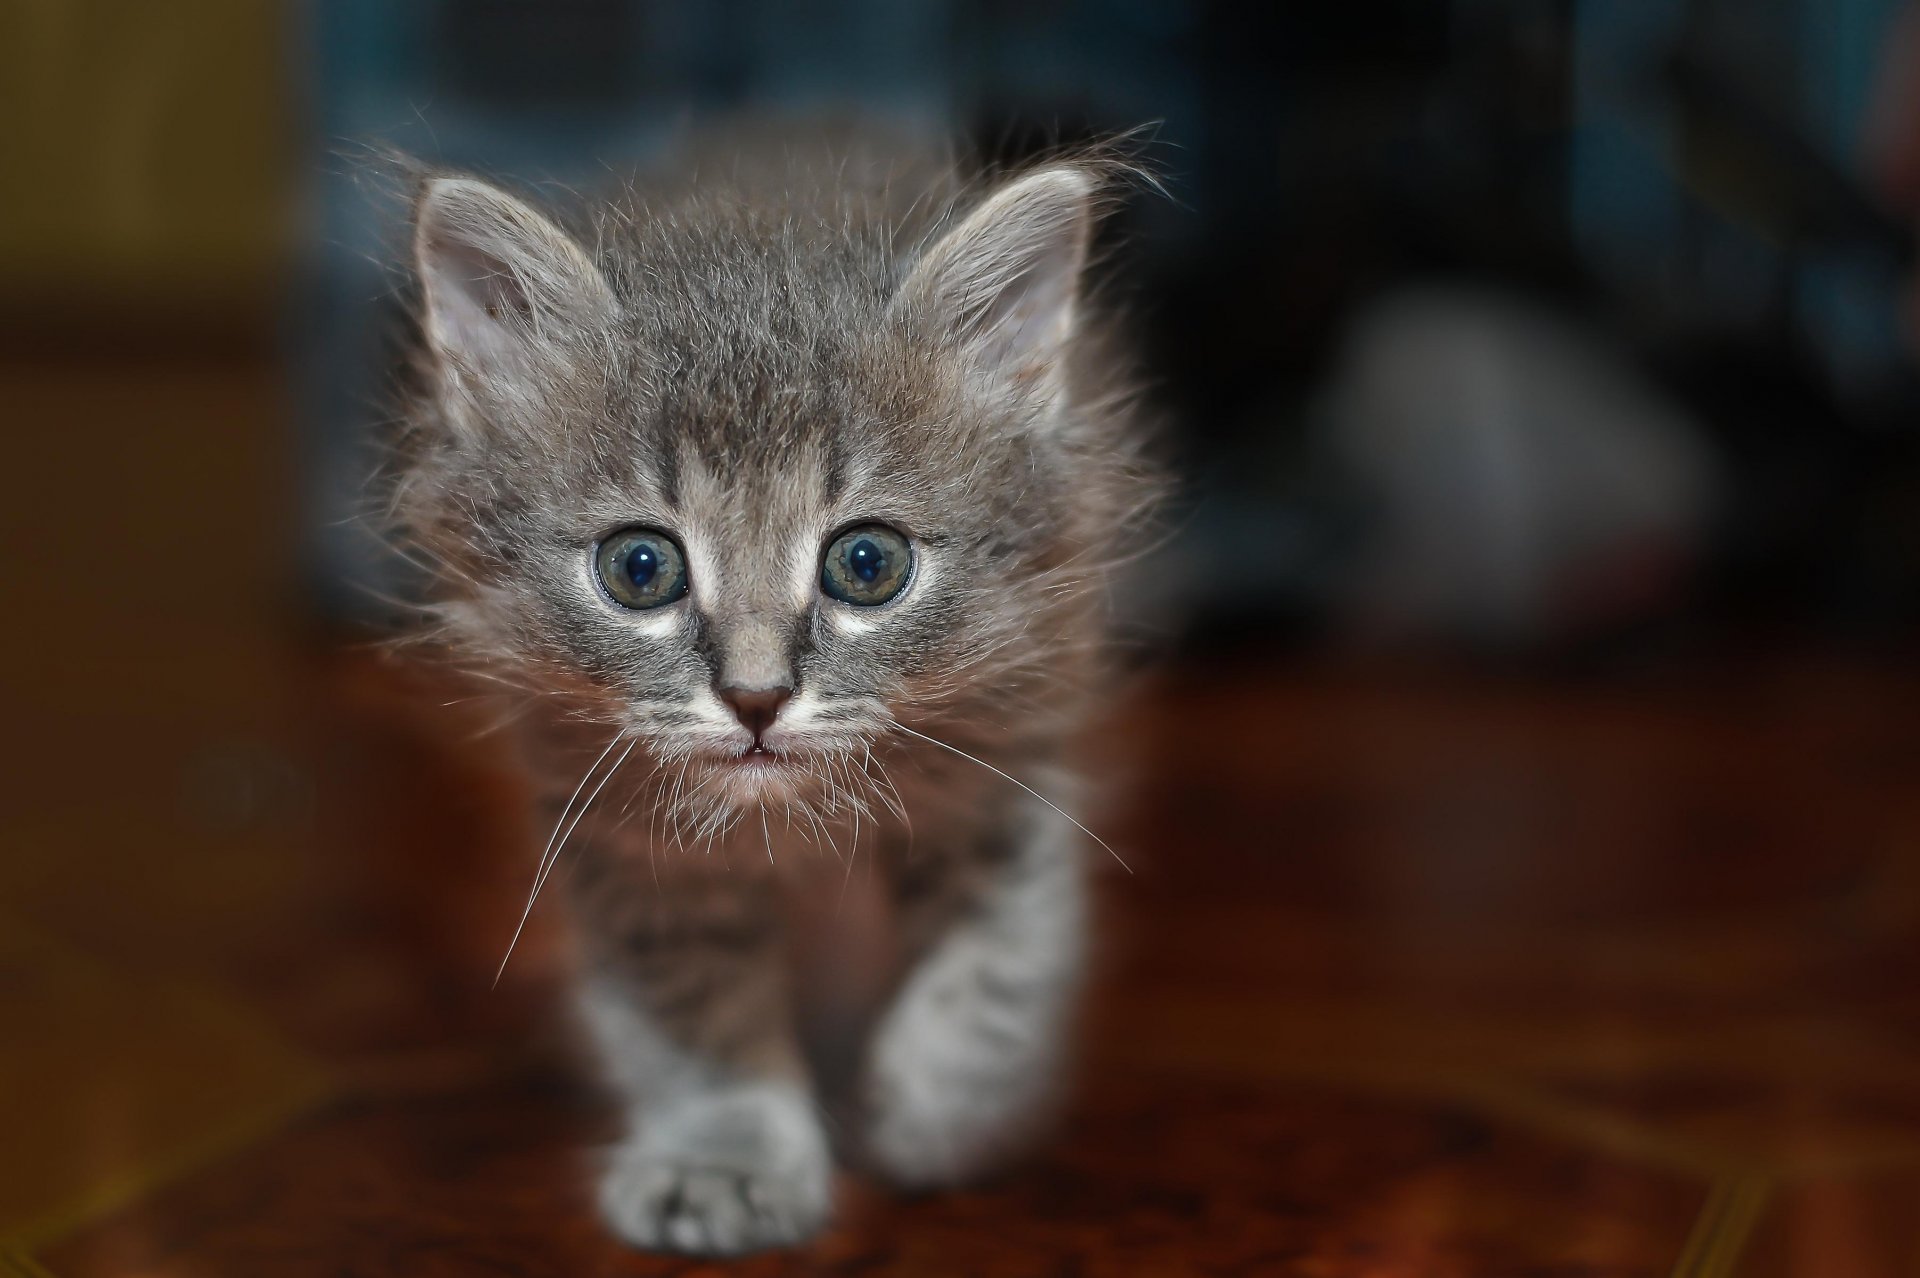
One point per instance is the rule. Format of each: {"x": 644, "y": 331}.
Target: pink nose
{"x": 756, "y": 708}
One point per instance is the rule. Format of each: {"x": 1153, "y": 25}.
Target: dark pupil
{"x": 643, "y": 563}
{"x": 867, "y": 560}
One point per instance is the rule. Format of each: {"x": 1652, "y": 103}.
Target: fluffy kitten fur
{"x": 753, "y": 356}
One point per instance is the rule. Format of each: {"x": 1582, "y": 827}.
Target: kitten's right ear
{"x": 503, "y": 286}
{"x": 1005, "y": 283}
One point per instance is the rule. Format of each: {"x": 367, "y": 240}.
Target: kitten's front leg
{"x": 688, "y": 1002}
{"x": 966, "y": 1058}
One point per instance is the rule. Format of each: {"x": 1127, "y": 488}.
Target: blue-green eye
{"x": 866, "y": 566}
{"x": 641, "y": 568}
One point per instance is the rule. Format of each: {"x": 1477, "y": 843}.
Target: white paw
{"x": 710, "y": 1211}
{"x": 720, "y": 1178}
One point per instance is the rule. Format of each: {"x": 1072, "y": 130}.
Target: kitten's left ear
{"x": 1006, "y": 281}
{"x": 502, "y": 284}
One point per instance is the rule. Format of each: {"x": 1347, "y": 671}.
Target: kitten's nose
{"x": 756, "y": 708}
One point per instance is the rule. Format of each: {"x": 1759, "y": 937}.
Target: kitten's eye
{"x": 866, "y": 566}
{"x": 641, "y": 568}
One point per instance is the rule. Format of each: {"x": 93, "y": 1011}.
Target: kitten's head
{"x": 754, "y": 486}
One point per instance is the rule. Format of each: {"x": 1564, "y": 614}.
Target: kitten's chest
{"x": 845, "y": 955}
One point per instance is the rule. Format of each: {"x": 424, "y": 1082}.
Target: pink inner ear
{"x": 501, "y": 295}
{"x": 481, "y": 313}
{"x": 1007, "y": 277}
{"x": 464, "y": 279}
{"x": 1025, "y": 324}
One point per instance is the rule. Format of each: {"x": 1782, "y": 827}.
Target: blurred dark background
{"x": 1528, "y": 837}
{"x": 1517, "y": 326}
{"x": 1505, "y": 325}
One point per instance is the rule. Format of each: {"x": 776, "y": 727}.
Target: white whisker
{"x": 1024, "y": 786}
{"x": 540, "y": 869}
{"x": 547, "y": 860}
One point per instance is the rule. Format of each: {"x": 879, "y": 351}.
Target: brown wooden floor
{"x": 1421, "y": 973}
{"x": 1418, "y": 975}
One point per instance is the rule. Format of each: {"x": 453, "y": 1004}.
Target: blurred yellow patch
{"x": 113, "y": 1082}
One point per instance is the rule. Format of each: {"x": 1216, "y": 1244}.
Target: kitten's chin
{"x": 758, "y": 777}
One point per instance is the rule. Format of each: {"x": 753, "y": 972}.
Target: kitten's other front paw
{"x": 919, "y": 1139}
{"x": 721, "y": 1178}
{"x": 948, "y": 1100}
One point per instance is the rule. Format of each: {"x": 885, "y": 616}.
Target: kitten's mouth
{"x": 758, "y": 774}
{"x": 757, "y": 763}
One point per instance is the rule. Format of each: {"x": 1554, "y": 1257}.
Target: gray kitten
{"x": 786, "y": 496}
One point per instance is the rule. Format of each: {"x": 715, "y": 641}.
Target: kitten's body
{"x": 751, "y": 361}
